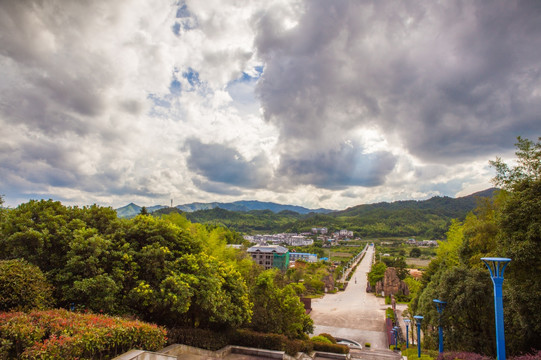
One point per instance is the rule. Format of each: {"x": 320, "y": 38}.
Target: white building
{"x": 293, "y": 256}
{"x": 322, "y": 230}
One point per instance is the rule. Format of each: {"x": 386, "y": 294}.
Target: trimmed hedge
{"x": 329, "y": 336}
{"x": 321, "y": 339}
{"x": 200, "y": 338}
{"x": 282, "y": 343}
{"x": 60, "y": 334}
{"x": 259, "y": 340}
{"x": 333, "y": 348}
{"x": 210, "y": 340}
{"x": 292, "y": 347}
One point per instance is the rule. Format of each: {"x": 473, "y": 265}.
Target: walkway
{"x": 353, "y": 313}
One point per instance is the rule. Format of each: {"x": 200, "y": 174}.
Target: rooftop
{"x": 268, "y": 249}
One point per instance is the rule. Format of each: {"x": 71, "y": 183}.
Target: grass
{"x": 417, "y": 263}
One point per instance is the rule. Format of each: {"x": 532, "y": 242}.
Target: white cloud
{"x": 318, "y": 99}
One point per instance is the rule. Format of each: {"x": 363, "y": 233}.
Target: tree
{"x": 468, "y": 318}
{"x": 528, "y": 168}
{"x": 376, "y": 273}
{"x": 39, "y": 231}
{"x": 195, "y": 290}
{"x": 510, "y": 226}
{"x": 85, "y": 280}
{"x": 415, "y": 252}
{"x": 278, "y": 310}
{"x": 519, "y": 220}
{"x": 23, "y": 287}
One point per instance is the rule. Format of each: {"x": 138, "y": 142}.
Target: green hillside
{"x": 427, "y": 219}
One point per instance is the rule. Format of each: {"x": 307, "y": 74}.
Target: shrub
{"x": 535, "y": 355}
{"x": 390, "y": 314}
{"x": 201, "y": 338}
{"x": 321, "y": 339}
{"x": 23, "y": 287}
{"x": 462, "y": 355}
{"x": 411, "y": 354}
{"x": 366, "y": 345}
{"x": 329, "y": 336}
{"x": 243, "y": 337}
{"x": 255, "y": 339}
{"x": 292, "y": 347}
{"x": 333, "y": 348}
{"x": 59, "y": 334}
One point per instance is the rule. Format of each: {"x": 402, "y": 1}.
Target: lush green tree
{"x": 520, "y": 239}
{"x": 509, "y": 226}
{"x": 399, "y": 263}
{"x": 193, "y": 290}
{"x": 468, "y": 318}
{"x": 23, "y": 287}
{"x": 415, "y": 252}
{"x": 278, "y": 309}
{"x": 376, "y": 273}
{"x": 86, "y": 278}
{"x": 103, "y": 219}
{"x": 147, "y": 230}
{"x": 38, "y": 231}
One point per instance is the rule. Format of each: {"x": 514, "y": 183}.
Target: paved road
{"x": 353, "y": 314}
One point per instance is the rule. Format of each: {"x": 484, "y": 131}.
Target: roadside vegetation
{"x": 507, "y": 226}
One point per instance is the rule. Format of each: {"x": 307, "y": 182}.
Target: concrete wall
{"x": 144, "y": 355}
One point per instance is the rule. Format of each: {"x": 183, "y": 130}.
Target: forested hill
{"x": 445, "y": 206}
{"x": 426, "y": 219}
{"x": 131, "y": 210}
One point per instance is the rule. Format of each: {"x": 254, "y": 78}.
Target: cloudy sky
{"x": 315, "y": 103}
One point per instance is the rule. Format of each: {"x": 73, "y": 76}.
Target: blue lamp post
{"x": 496, "y": 266}
{"x": 418, "y": 319}
{"x": 440, "y": 305}
{"x": 395, "y": 331}
{"x": 407, "y": 322}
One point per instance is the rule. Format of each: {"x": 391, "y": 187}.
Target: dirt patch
{"x": 414, "y": 262}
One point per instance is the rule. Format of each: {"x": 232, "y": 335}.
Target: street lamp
{"x": 440, "y": 305}
{"x": 407, "y": 322}
{"x": 418, "y": 319}
{"x": 496, "y": 266}
{"x": 395, "y": 330}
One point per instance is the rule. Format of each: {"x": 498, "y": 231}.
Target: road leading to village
{"x": 353, "y": 314}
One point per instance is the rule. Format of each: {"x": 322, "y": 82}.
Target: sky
{"x": 315, "y": 103}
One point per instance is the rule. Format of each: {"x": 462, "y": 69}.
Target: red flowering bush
{"x": 60, "y": 334}
{"x": 535, "y": 355}
{"x": 462, "y": 355}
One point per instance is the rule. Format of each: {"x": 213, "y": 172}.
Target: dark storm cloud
{"x": 450, "y": 81}
{"x": 337, "y": 169}
{"x": 222, "y": 164}
{"x": 216, "y": 187}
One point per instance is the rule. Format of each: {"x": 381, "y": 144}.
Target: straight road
{"x": 353, "y": 314}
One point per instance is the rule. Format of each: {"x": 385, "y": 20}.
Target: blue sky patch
{"x": 192, "y": 76}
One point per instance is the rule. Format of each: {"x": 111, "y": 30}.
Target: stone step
{"x": 373, "y": 354}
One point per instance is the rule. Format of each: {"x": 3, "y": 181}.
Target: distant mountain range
{"x": 132, "y": 209}
{"x": 428, "y": 219}
{"x": 446, "y": 206}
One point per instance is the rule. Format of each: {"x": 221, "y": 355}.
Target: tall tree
{"x": 278, "y": 309}
{"x": 520, "y": 240}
